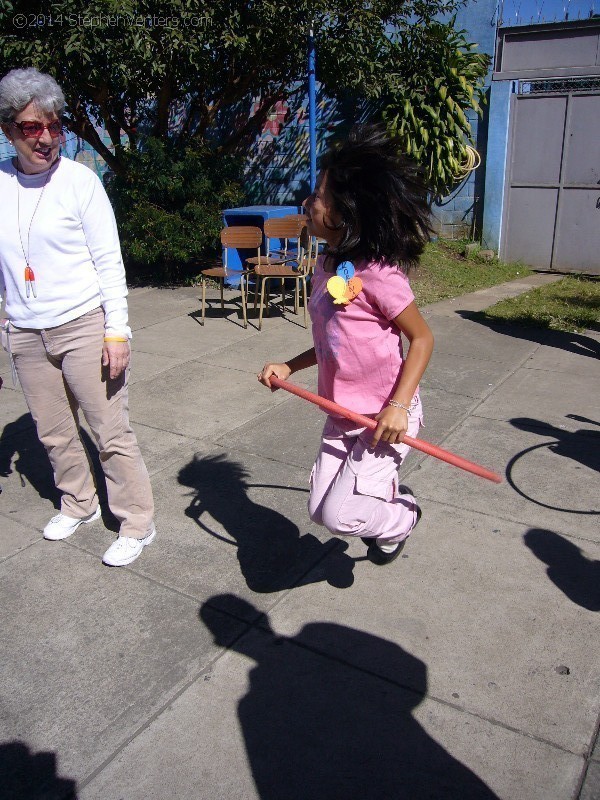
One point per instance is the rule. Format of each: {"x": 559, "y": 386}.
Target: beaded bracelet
{"x": 396, "y": 404}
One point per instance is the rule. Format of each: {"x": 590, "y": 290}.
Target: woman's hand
{"x": 392, "y": 425}
{"x": 279, "y": 370}
{"x": 115, "y": 356}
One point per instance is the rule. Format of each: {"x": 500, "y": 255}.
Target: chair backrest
{"x": 308, "y": 252}
{"x": 284, "y": 227}
{"x": 242, "y": 237}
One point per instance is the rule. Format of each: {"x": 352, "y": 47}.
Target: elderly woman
{"x": 62, "y": 273}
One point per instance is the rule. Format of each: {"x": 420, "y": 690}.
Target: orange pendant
{"x": 30, "y": 282}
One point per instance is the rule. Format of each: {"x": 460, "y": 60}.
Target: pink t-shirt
{"x": 358, "y": 347}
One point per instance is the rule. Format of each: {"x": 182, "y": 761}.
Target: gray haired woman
{"x": 62, "y": 274}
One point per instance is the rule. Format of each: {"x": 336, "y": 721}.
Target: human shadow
{"x": 576, "y": 343}
{"x": 21, "y": 452}
{"x": 272, "y": 554}
{"x": 572, "y": 572}
{"x": 582, "y": 446}
{"x": 25, "y": 775}
{"x": 579, "y": 418}
{"x": 329, "y": 715}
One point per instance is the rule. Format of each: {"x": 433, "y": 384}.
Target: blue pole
{"x": 312, "y": 109}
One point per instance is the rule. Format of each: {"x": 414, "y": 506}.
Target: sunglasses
{"x": 33, "y": 130}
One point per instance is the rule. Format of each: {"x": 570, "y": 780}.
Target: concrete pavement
{"x": 247, "y": 653}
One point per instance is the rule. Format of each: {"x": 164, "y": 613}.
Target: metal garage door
{"x": 553, "y": 202}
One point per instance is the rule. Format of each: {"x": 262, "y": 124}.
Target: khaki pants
{"x": 60, "y": 371}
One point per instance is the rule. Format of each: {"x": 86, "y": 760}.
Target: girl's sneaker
{"x": 377, "y": 555}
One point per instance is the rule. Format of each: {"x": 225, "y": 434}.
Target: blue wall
{"x": 496, "y": 163}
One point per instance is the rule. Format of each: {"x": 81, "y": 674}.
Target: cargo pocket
{"x": 370, "y": 487}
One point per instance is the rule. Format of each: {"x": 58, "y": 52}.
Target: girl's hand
{"x": 279, "y": 370}
{"x": 115, "y": 356}
{"x": 393, "y": 424}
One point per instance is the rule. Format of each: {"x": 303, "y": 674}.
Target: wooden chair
{"x": 243, "y": 237}
{"x": 304, "y": 265}
{"x": 285, "y": 229}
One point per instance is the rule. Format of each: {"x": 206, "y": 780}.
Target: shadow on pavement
{"x": 574, "y": 574}
{"x": 19, "y": 439}
{"x": 272, "y": 554}
{"x": 576, "y": 343}
{"x": 31, "y": 776}
{"x": 582, "y": 446}
{"x": 328, "y": 714}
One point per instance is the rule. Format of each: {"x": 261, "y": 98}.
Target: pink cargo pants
{"x": 354, "y": 489}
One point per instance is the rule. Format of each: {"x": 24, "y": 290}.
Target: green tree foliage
{"x": 168, "y": 203}
{"x": 113, "y": 57}
{"x": 136, "y": 64}
{"x": 439, "y": 77}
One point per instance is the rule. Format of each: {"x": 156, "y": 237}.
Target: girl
{"x": 371, "y": 207}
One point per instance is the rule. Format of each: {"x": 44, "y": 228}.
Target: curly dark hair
{"x": 382, "y": 197}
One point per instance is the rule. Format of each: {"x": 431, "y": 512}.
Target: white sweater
{"x": 72, "y": 244}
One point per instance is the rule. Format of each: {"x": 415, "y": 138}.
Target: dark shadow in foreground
{"x": 31, "y": 776}
{"x": 272, "y": 554}
{"x": 574, "y": 574}
{"x": 328, "y": 715}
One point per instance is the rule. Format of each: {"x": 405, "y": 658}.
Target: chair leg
{"x": 203, "y": 298}
{"x": 262, "y": 303}
{"x": 244, "y": 314}
{"x": 222, "y": 282}
{"x": 296, "y": 296}
{"x": 256, "y": 282}
{"x": 305, "y": 302}
{"x": 283, "y": 296}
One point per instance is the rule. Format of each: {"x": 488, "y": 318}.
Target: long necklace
{"x": 29, "y": 274}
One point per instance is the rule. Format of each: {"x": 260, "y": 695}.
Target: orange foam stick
{"x": 367, "y": 422}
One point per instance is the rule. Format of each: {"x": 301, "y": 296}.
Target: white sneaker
{"x": 62, "y": 526}
{"x": 126, "y": 549}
